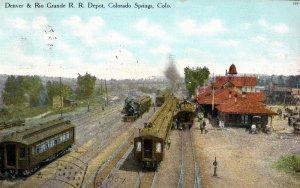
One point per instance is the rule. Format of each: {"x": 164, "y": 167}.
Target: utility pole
{"x": 213, "y": 100}
{"x": 101, "y": 89}
{"x": 61, "y": 100}
{"x": 106, "y": 103}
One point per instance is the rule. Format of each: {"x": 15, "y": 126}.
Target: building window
{"x": 245, "y": 119}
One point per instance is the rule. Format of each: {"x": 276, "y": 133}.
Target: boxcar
{"x": 23, "y": 152}
{"x": 149, "y": 146}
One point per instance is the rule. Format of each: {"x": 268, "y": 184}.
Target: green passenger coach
{"x": 24, "y": 151}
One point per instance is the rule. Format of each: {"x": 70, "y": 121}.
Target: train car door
{"x": 148, "y": 149}
{"x": 10, "y": 155}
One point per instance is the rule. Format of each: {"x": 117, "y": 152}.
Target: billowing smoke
{"x": 171, "y": 73}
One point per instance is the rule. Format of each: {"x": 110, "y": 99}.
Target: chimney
{"x": 243, "y": 94}
{"x": 235, "y": 98}
{"x": 229, "y": 95}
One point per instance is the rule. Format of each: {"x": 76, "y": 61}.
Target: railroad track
{"x": 148, "y": 180}
{"x": 82, "y": 118}
{"x": 189, "y": 169}
{"x": 73, "y": 170}
{"x": 105, "y": 172}
{"x": 105, "y": 175}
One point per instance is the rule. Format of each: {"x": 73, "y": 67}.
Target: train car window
{"x": 42, "y": 148}
{"x": 158, "y": 147}
{"x": 139, "y": 146}
{"x": 22, "y": 153}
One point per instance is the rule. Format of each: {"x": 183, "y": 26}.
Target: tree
{"x": 85, "y": 86}
{"x": 33, "y": 87}
{"x": 13, "y": 94}
{"x": 55, "y": 89}
{"x": 22, "y": 89}
{"x": 195, "y": 77}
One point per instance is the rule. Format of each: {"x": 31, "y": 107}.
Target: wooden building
{"x": 232, "y": 99}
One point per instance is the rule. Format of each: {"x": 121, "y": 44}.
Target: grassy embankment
{"x": 289, "y": 164}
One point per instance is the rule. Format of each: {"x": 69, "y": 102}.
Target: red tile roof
{"x": 219, "y": 96}
{"x": 244, "y": 106}
{"x": 250, "y": 103}
{"x": 258, "y": 96}
{"x": 237, "y": 81}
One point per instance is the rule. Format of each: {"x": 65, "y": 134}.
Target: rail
{"x": 181, "y": 177}
{"x": 103, "y": 184}
{"x": 106, "y": 171}
{"x": 148, "y": 180}
{"x": 197, "y": 182}
{"x": 197, "y": 179}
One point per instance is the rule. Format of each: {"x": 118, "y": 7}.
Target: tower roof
{"x": 232, "y": 69}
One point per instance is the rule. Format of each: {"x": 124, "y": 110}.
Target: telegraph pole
{"x": 106, "y": 92}
{"x": 61, "y": 102}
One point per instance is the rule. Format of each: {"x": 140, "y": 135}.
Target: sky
{"x": 259, "y": 37}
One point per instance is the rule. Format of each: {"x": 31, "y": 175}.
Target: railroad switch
{"x": 215, "y": 163}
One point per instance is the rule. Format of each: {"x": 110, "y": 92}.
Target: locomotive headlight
{"x": 138, "y": 146}
{"x": 158, "y": 147}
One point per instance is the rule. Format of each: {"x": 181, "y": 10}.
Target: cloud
{"x": 181, "y": 63}
{"x": 272, "y": 48}
{"x": 276, "y": 28}
{"x": 195, "y": 51}
{"x": 270, "y": 66}
{"x": 86, "y": 31}
{"x": 117, "y": 56}
{"x": 18, "y": 23}
{"x": 162, "y": 49}
{"x": 39, "y": 22}
{"x": 259, "y": 39}
{"x": 118, "y": 38}
{"x": 228, "y": 43}
{"x": 152, "y": 30}
{"x": 245, "y": 26}
{"x": 65, "y": 47}
{"x": 210, "y": 28}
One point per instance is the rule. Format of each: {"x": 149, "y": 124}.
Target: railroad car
{"x": 23, "y": 152}
{"x": 149, "y": 146}
{"x": 185, "y": 115}
{"x": 159, "y": 100}
{"x": 135, "y": 107}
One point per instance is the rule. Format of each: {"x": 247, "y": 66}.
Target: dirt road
{"x": 245, "y": 160}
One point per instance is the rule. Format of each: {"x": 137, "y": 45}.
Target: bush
{"x": 289, "y": 163}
